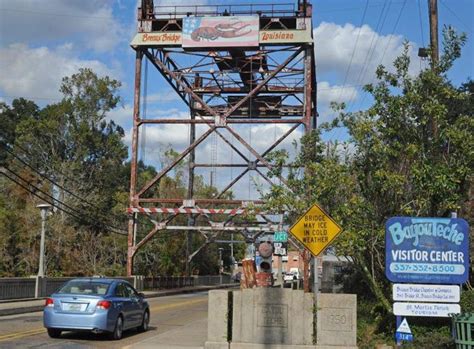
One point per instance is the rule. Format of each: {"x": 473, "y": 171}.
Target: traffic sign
{"x": 280, "y": 248}
{"x": 401, "y": 336}
{"x": 403, "y": 332}
{"x": 280, "y": 236}
{"x": 315, "y": 230}
{"x": 404, "y": 327}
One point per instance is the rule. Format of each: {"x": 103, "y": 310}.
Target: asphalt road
{"x": 176, "y": 322}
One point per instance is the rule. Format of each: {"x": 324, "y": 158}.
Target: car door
{"x": 136, "y": 305}
{"x": 125, "y": 304}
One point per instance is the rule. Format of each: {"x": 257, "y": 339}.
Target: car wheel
{"x": 54, "y": 333}
{"x": 118, "y": 330}
{"x": 145, "y": 322}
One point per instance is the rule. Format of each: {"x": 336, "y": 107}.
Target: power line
{"x": 52, "y": 201}
{"x": 65, "y": 189}
{"x": 421, "y": 24}
{"x": 393, "y": 31}
{"x": 388, "y": 43}
{"x": 371, "y": 50}
{"x": 6, "y": 146}
{"x": 355, "y": 47}
{"x": 456, "y": 16}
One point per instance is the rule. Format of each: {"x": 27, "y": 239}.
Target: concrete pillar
{"x": 218, "y": 317}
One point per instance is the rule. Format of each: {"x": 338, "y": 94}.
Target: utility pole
{"x": 44, "y": 213}
{"x": 433, "y": 9}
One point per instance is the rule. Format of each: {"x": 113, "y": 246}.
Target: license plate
{"x": 74, "y": 306}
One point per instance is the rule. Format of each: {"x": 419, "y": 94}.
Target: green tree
{"x": 411, "y": 153}
{"x": 73, "y": 144}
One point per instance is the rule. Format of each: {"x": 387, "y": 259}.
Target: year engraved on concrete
{"x": 272, "y": 315}
{"x": 336, "y": 319}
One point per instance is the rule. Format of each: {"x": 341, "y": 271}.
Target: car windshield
{"x": 85, "y": 287}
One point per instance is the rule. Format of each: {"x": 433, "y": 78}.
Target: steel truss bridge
{"x": 269, "y": 81}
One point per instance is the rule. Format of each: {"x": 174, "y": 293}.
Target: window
{"x": 84, "y": 287}
{"x": 132, "y": 293}
{"x": 121, "y": 291}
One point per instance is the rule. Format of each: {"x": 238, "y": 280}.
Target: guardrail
{"x": 37, "y": 287}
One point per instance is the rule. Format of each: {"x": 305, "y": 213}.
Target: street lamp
{"x": 44, "y": 212}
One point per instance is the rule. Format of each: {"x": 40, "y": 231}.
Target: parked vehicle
{"x": 290, "y": 276}
{"x": 97, "y": 305}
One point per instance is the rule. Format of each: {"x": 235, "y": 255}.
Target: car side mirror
{"x": 141, "y": 295}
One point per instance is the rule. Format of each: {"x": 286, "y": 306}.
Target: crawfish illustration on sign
{"x": 231, "y": 30}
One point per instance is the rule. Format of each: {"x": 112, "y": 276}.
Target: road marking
{"x": 22, "y": 334}
{"x": 177, "y": 305}
{"x": 157, "y": 308}
{"x": 165, "y": 307}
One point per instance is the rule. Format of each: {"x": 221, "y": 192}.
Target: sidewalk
{"x": 22, "y": 306}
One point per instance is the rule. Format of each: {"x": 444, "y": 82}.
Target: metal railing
{"x": 269, "y": 10}
{"x": 167, "y": 282}
{"x": 11, "y": 288}
{"x": 18, "y": 288}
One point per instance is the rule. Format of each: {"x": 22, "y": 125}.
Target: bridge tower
{"x": 235, "y": 67}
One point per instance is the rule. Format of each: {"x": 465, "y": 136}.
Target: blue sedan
{"x": 97, "y": 305}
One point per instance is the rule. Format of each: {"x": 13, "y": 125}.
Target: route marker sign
{"x": 280, "y": 248}
{"x": 315, "y": 230}
{"x": 403, "y": 332}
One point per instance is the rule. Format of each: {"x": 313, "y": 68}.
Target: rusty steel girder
{"x": 223, "y": 89}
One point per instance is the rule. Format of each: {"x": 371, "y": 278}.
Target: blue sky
{"x": 42, "y": 41}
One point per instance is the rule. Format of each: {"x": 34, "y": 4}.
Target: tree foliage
{"x": 409, "y": 154}
{"x": 70, "y": 154}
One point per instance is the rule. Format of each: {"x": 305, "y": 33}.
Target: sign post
{"x": 315, "y": 230}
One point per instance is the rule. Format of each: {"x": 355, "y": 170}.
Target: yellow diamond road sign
{"x": 315, "y": 230}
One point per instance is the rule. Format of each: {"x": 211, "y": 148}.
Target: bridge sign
{"x": 315, "y": 230}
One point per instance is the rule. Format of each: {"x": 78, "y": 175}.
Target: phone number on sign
{"x": 422, "y": 268}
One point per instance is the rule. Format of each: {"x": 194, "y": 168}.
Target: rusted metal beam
{"x": 212, "y": 112}
{"x": 229, "y": 121}
{"x": 308, "y": 78}
{"x": 264, "y": 82}
{"x": 230, "y": 165}
{"x": 134, "y": 158}
{"x": 280, "y": 139}
{"x": 151, "y": 58}
{"x": 201, "y": 201}
{"x": 176, "y": 161}
{"x": 231, "y": 184}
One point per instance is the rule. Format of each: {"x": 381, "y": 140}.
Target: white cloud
{"x": 90, "y": 23}
{"x": 37, "y": 72}
{"x": 328, "y": 93}
{"x": 121, "y": 115}
{"x": 334, "y": 49}
{"x": 163, "y": 96}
